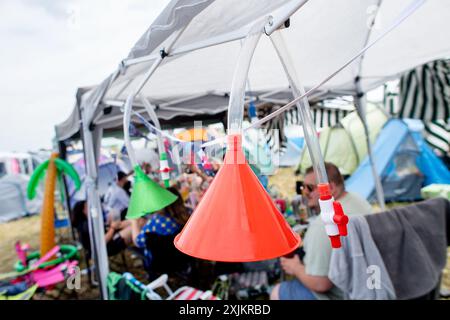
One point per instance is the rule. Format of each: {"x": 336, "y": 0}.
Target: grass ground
{"x": 26, "y": 230}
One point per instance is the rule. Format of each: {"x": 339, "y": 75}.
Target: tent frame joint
{"x": 163, "y": 53}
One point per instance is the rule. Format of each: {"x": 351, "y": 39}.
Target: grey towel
{"x": 413, "y": 243}
{"x": 354, "y": 266}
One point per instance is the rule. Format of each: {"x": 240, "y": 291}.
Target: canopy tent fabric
{"x": 206, "y": 73}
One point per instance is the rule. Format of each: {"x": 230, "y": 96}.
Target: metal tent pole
{"x": 129, "y": 102}
{"x": 361, "y": 107}
{"x": 97, "y": 231}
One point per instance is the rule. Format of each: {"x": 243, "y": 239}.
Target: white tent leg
{"x": 95, "y": 210}
{"x": 361, "y": 107}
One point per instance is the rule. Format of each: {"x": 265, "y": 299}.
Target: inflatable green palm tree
{"x": 53, "y": 167}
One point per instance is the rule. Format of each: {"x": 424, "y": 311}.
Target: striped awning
{"x": 274, "y": 129}
{"x": 437, "y": 134}
{"x": 424, "y": 93}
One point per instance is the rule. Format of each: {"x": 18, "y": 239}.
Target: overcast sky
{"x": 51, "y": 47}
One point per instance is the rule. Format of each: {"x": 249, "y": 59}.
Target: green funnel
{"x": 147, "y": 196}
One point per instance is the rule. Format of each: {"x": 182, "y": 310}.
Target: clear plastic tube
{"x": 237, "y": 95}
{"x": 303, "y": 108}
{"x": 163, "y": 163}
{"x": 128, "y": 110}
{"x": 154, "y": 118}
{"x": 126, "y": 129}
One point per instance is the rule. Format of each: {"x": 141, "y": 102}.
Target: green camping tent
{"x": 345, "y": 143}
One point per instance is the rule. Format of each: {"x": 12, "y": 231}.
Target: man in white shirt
{"x": 117, "y": 199}
{"x": 311, "y": 280}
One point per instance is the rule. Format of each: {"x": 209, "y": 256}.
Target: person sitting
{"x": 80, "y": 223}
{"x": 311, "y": 273}
{"x": 157, "y": 235}
{"x": 298, "y": 203}
{"x": 117, "y": 236}
{"x": 117, "y": 198}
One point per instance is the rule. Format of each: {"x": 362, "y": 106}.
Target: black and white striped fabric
{"x": 274, "y": 129}
{"x": 424, "y": 93}
{"x": 437, "y": 134}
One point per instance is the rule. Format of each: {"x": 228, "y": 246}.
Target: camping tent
{"x": 13, "y": 200}
{"x": 344, "y": 144}
{"x": 404, "y": 162}
{"x": 430, "y": 165}
{"x": 183, "y": 64}
{"x": 16, "y": 163}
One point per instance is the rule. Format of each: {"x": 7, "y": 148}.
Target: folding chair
{"x": 183, "y": 293}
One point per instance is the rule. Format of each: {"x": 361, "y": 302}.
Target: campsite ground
{"x": 27, "y": 231}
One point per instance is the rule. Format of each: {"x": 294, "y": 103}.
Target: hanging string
{"x": 152, "y": 129}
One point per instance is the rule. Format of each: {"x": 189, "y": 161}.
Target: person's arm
{"x": 138, "y": 233}
{"x": 111, "y": 231}
{"x": 293, "y": 266}
{"x": 125, "y": 223}
{"x": 199, "y": 172}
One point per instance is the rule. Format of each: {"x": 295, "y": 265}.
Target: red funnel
{"x": 236, "y": 220}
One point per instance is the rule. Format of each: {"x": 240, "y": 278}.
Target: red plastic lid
{"x": 335, "y": 242}
{"x": 324, "y": 191}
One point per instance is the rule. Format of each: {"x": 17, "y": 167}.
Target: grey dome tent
{"x": 13, "y": 200}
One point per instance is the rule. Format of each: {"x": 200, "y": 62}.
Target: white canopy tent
{"x": 322, "y": 35}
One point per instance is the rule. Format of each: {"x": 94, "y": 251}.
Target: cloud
{"x": 49, "y": 48}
